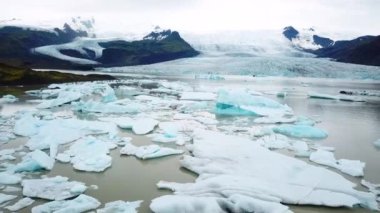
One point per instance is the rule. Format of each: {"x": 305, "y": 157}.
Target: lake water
{"x": 352, "y": 128}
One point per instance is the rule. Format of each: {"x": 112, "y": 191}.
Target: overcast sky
{"x": 361, "y": 16}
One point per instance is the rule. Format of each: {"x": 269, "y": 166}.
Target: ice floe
{"x": 26, "y": 125}
{"x": 374, "y": 188}
{"x": 9, "y": 178}
{"x": 120, "y": 206}
{"x": 82, "y": 203}
{"x": 4, "y": 197}
{"x": 20, "y": 204}
{"x": 322, "y": 96}
{"x": 99, "y": 107}
{"x": 8, "y": 99}
{"x": 34, "y": 161}
{"x": 64, "y": 97}
{"x": 198, "y": 96}
{"x": 300, "y": 131}
{"x": 237, "y": 102}
{"x": 234, "y": 166}
{"x": 148, "y": 152}
{"x": 143, "y": 126}
{"x": 54, "y": 188}
{"x": 351, "y": 167}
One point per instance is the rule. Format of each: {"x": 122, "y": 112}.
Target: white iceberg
{"x": 143, "y": 126}
{"x": 322, "y": 96}
{"x": 231, "y": 165}
{"x": 148, "y": 152}
{"x": 90, "y": 154}
{"x": 237, "y": 102}
{"x": 64, "y": 97}
{"x": 9, "y": 178}
{"x": 300, "y": 131}
{"x": 82, "y": 203}
{"x": 8, "y": 99}
{"x": 120, "y": 206}
{"x": 198, "y": 96}
{"x": 4, "y": 197}
{"x": 27, "y": 125}
{"x": 99, "y": 107}
{"x": 54, "y": 188}
{"x": 34, "y": 161}
{"x": 122, "y": 122}
{"x": 351, "y": 167}
{"x": 20, "y": 204}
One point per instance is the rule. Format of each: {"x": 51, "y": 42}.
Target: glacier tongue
{"x": 231, "y": 166}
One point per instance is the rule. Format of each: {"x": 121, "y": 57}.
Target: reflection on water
{"x": 352, "y": 128}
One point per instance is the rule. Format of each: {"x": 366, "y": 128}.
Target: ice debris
{"x": 54, "y": 188}
{"x": 4, "y": 197}
{"x": 99, "y": 107}
{"x": 351, "y": 167}
{"x": 82, "y": 203}
{"x": 234, "y": 166}
{"x": 20, "y": 204}
{"x": 8, "y": 99}
{"x": 300, "y": 131}
{"x": 374, "y": 188}
{"x": 322, "y": 96}
{"x": 198, "y": 96}
{"x": 64, "y": 97}
{"x": 34, "y": 161}
{"x": 143, "y": 126}
{"x": 236, "y": 102}
{"x": 148, "y": 152}
{"x": 120, "y": 206}
{"x": 27, "y": 125}
{"x": 9, "y": 178}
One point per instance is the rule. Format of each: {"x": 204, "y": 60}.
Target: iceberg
{"x": 8, "y": 99}
{"x": 20, "y": 204}
{"x": 377, "y": 143}
{"x": 90, "y": 154}
{"x": 99, "y": 107}
{"x": 237, "y": 102}
{"x": 120, "y": 206}
{"x": 54, "y": 188}
{"x": 351, "y": 167}
{"x": 4, "y": 197}
{"x": 143, "y": 126}
{"x": 230, "y": 166}
{"x": 198, "y": 96}
{"x": 122, "y": 122}
{"x": 34, "y": 161}
{"x": 9, "y": 178}
{"x": 300, "y": 131}
{"x": 82, "y": 203}
{"x": 27, "y": 125}
{"x": 322, "y": 96}
{"x": 148, "y": 152}
{"x": 64, "y": 97}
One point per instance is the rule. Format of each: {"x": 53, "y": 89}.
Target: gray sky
{"x": 362, "y": 16}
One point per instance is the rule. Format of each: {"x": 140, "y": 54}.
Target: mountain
{"x": 306, "y": 39}
{"x": 363, "y": 50}
{"x": 74, "y": 47}
{"x": 10, "y": 75}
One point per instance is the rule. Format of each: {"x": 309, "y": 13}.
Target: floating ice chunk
{"x": 274, "y": 142}
{"x": 242, "y": 103}
{"x": 63, "y": 158}
{"x": 90, "y": 154}
{"x": 20, "y": 204}
{"x": 377, "y": 143}
{"x": 374, "y": 188}
{"x": 27, "y": 125}
{"x": 300, "y": 131}
{"x": 5, "y": 197}
{"x": 322, "y": 96}
{"x": 122, "y": 122}
{"x": 351, "y": 167}
{"x": 143, "y": 126}
{"x": 34, "y": 161}
{"x": 231, "y": 165}
{"x": 54, "y": 188}
{"x": 82, "y": 203}
{"x": 9, "y": 178}
{"x": 198, "y": 96}
{"x": 351, "y": 98}
{"x": 120, "y": 207}
{"x": 150, "y": 151}
{"x": 8, "y": 99}
{"x": 64, "y": 97}
{"x": 11, "y": 189}
{"x": 6, "y": 136}
{"x": 178, "y": 86}
{"x": 300, "y": 148}
{"x": 302, "y": 120}
{"x": 281, "y": 94}
{"x": 92, "y": 106}
{"x": 6, "y": 154}
{"x": 274, "y": 120}
{"x": 183, "y": 203}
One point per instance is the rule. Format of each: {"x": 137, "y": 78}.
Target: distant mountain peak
{"x": 306, "y": 39}
{"x": 80, "y": 24}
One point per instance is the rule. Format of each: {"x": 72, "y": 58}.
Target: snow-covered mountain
{"x": 307, "y": 39}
